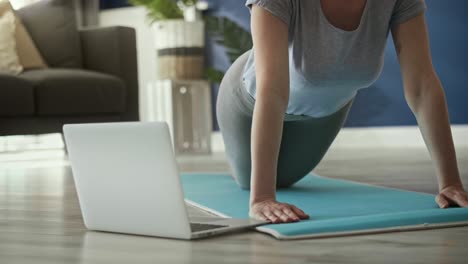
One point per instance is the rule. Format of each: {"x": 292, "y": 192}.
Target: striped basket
{"x": 180, "y": 49}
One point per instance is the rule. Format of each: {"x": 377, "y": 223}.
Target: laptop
{"x": 127, "y": 181}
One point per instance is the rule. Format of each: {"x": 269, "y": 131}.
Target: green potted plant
{"x": 169, "y": 9}
{"x": 226, "y": 32}
{"x": 178, "y": 32}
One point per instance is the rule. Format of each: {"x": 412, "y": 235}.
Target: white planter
{"x": 180, "y": 48}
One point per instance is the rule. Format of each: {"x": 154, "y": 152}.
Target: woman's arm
{"x": 426, "y": 98}
{"x": 270, "y": 47}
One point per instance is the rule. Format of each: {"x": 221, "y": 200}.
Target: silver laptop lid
{"x": 127, "y": 179}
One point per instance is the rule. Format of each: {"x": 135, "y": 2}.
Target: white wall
{"x": 147, "y": 68}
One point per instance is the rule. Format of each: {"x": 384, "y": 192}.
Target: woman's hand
{"x": 452, "y": 195}
{"x": 276, "y": 212}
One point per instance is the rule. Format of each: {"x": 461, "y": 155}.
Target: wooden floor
{"x": 40, "y": 220}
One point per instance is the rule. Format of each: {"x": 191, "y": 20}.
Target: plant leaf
{"x": 229, "y": 34}
{"x": 214, "y": 75}
{"x": 160, "y": 9}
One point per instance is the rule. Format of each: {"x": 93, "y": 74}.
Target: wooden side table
{"x": 186, "y": 106}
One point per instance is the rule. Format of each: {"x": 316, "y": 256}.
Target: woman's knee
{"x": 243, "y": 185}
{"x": 242, "y": 178}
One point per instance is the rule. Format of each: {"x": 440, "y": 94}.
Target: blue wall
{"x": 384, "y": 104}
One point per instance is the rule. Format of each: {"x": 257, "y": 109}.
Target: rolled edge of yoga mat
{"x": 379, "y": 223}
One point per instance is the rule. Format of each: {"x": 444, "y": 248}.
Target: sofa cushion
{"x": 16, "y": 96}
{"x": 28, "y": 54}
{"x": 70, "y": 92}
{"x": 52, "y": 25}
{"x": 9, "y": 61}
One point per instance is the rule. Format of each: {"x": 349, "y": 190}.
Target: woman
{"x": 281, "y": 105}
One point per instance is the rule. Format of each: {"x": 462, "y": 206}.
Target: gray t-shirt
{"x": 328, "y": 65}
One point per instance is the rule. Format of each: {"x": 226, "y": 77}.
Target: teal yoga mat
{"x": 336, "y": 207}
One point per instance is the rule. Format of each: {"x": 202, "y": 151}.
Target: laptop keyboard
{"x": 196, "y": 227}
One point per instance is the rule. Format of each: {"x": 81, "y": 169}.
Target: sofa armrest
{"x": 112, "y": 50}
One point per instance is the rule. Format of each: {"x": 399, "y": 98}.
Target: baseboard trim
{"x": 372, "y": 137}
{"x": 369, "y": 137}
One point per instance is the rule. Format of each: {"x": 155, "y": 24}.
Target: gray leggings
{"x": 304, "y": 142}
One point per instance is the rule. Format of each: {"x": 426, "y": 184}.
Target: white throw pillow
{"x": 9, "y": 62}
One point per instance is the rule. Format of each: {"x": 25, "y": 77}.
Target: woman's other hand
{"x": 276, "y": 212}
{"x": 452, "y": 195}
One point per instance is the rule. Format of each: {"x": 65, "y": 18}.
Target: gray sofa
{"x": 92, "y": 75}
